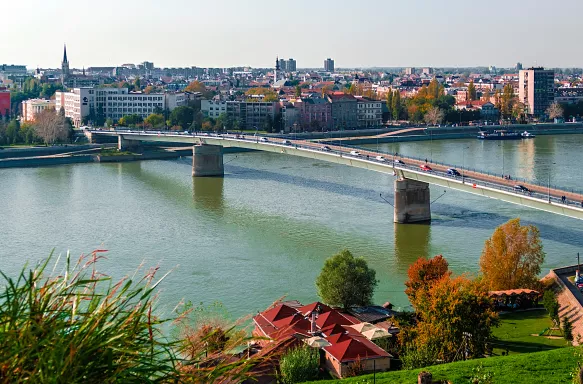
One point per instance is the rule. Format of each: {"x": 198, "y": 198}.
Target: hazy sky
{"x": 219, "y": 33}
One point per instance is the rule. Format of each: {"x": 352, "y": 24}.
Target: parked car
{"x": 380, "y": 158}
{"x": 286, "y": 142}
{"x": 521, "y": 188}
{"x": 325, "y": 148}
{"x": 355, "y": 153}
{"x": 453, "y": 172}
{"x": 426, "y": 168}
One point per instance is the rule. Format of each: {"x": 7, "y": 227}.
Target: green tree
{"x": 298, "y": 91}
{"x": 472, "y": 94}
{"x": 182, "y": 116}
{"x": 567, "y": 329}
{"x": 551, "y": 304}
{"x": 299, "y": 365}
{"x": 346, "y": 281}
{"x": 130, "y": 120}
{"x": 155, "y": 120}
{"x": 390, "y": 103}
{"x": 396, "y": 105}
{"x": 12, "y": 130}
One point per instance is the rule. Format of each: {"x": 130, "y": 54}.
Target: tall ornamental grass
{"x": 81, "y": 327}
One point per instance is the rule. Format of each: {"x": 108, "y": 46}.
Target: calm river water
{"x": 265, "y": 230}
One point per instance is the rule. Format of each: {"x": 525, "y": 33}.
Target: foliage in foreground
{"x": 346, "y": 281}
{"x": 78, "y": 326}
{"x": 550, "y": 367}
{"x": 299, "y": 365}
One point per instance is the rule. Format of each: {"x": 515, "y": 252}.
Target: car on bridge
{"x": 325, "y": 148}
{"x": 426, "y": 168}
{"x": 453, "y": 172}
{"x": 286, "y": 142}
{"x": 264, "y": 139}
{"x": 380, "y": 158}
{"x": 521, "y": 188}
{"x": 355, "y": 153}
{"x": 397, "y": 161}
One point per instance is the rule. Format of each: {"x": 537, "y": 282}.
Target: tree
{"x": 298, "y": 92}
{"x": 472, "y": 94}
{"x": 299, "y": 365}
{"x": 396, "y": 105}
{"x": 131, "y": 120}
{"x": 486, "y": 95}
{"x": 346, "y": 281}
{"x": 423, "y": 274}
{"x": 512, "y": 257}
{"x": 555, "y": 111}
{"x": 50, "y": 126}
{"x": 507, "y": 100}
{"x": 155, "y": 120}
{"x": 551, "y": 305}
{"x": 12, "y": 130}
{"x": 567, "y": 329}
{"x": 390, "y": 103}
{"x": 182, "y": 116}
{"x": 455, "y": 314}
{"x": 434, "y": 116}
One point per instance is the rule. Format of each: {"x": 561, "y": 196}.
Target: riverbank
{"x": 52, "y": 156}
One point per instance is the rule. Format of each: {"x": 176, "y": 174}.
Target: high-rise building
{"x": 64, "y": 67}
{"x": 536, "y": 89}
{"x": 518, "y": 66}
{"x": 329, "y": 65}
{"x": 282, "y": 65}
{"x": 290, "y": 65}
{"x": 410, "y": 71}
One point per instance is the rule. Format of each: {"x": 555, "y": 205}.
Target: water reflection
{"x": 208, "y": 193}
{"x": 411, "y": 242}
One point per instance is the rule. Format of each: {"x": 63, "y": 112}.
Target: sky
{"x": 228, "y": 33}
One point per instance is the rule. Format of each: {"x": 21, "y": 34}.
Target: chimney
{"x": 313, "y": 317}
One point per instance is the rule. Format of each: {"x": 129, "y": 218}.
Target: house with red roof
{"x": 345, "y": 348}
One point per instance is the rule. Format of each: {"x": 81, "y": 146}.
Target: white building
{"x": 30, "y": 108}
{"x": 213, "y": 108}
{"x": 114, "y": 103}
{"x": 369, "y": 112}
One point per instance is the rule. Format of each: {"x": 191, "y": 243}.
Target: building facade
{"x": 252, "y": 115}
{"x": 114, "y": 103}
{"x": 536, "y": 89}
{"x": 290, "y": 65}
{"x": 213, "y": 108}
{"x": 344, "y": 111}
{"x": 5, "y": 105}
{"x": 369, "y": 112}
{"x": 32, "y": 107}
{"x": 329, "y": 65}
{"x": 314, "y": 114}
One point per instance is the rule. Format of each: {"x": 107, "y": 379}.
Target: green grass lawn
{"x": 515, "y": 330}
{"x": 549, "y": 367}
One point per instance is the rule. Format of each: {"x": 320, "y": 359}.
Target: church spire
{"x": 65, "y": 55}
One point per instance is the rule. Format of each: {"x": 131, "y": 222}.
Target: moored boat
{"x": 499, "y": 135}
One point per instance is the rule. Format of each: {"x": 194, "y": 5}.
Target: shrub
{"x": 551, "y": 305}
{"x": 299, "y": 365}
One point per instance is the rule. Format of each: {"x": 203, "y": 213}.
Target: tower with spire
{"x": 64, "y": 66}
{"x": 276, "y": 69}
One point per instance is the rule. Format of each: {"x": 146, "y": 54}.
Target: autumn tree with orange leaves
{"x": 423, "y": 274}
{"x": 512, "y": 257}
{"x": 454, "y": 315}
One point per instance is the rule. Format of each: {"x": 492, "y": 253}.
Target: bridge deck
{"x": 471, "y": 182}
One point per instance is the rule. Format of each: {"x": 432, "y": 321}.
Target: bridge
{"x": 412, "y": 195}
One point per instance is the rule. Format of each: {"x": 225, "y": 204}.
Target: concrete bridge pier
{"x": 412, "y": 201}
{"x": 207, "y": 160}
{"x": 124, "y": 144}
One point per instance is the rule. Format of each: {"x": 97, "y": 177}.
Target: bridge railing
{"x": 518, "y": 180}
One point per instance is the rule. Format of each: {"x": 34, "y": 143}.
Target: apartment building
{"x": 114, "y": 103}
{"x": 369, "y": 112}
{"x": 213, "y": 108}
{"x": 329, "y": 65}
{"x": 32, "y": 107}
{"x": 536, "y": 89}
{"x": 252, "y": 115}
{"x": 314, "y": 113}
{"x": 344, "y": 110}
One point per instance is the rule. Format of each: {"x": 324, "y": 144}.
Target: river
{"x": 265, "y": 230}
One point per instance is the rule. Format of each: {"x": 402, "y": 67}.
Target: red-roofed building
{"x": 347, "y": 345}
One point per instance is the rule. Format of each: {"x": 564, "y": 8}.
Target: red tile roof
{"x": 335, "y": 317}
{"x": 349, "y": 349}
{"x": 307, "y": 309}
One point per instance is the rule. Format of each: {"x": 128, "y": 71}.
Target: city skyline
{"x": 231, "y": 33}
